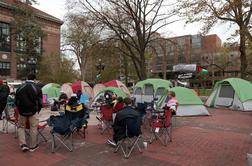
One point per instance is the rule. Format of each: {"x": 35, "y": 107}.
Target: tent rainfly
{"x": 67, "y": 89}
{"x": 117, "y": 91}
{"x": 83, "y": 87}
{"x": 97, "y": 88}
{"x": 189, "y": 103}
{"x": 232, "y": 93}
{"x": 117, "y": 84}
{"x": 52, "y": 90}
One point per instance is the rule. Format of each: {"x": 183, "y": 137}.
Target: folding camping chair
{"x": 10, "y": 117}
{"x": 106, "y": 117}
{"x": 61, "y": 131}
{"x": 63, "y": 127}
{"x": 131, "y": 139}
{"x": 161, "y": 126}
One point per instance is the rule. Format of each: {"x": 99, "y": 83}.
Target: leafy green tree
{"x": 60, "y": 68}
{"x": 210, "y": 12}
{"x": 80, "y": 38}
{"x": 28, "y": 34}
{"x": 130, "y": 22}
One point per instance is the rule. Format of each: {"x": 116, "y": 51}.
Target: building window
{"x": 21, "y": 45}
{"x": 217, "y": 74}
{"x": 196, "y": 41}
{"x": 4, "y": 68}
{"x": 4, "y": 37}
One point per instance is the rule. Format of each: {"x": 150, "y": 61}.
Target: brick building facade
{"x": 8, "y": 55}
{"x": 206, "y": 51}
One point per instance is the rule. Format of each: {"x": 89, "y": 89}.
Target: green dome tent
{"x": 52, "y": 90}
{"x": 117, "y": 91}
{"x": 232, "y": 93}
{"x": 147, "y": 90}
{"x": 189, "y": 103}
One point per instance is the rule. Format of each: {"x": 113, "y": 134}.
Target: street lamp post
{"x": 99, "y": 67}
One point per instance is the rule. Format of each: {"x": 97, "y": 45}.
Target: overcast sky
{"x": 57, "y": 9}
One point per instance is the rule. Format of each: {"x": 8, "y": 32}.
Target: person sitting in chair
{"x": 172, "y": 102}
{"x": 77, "y": 110}
{"x": 63, "y": 99}
{"x": 117, "y": 106}
{"x": 120, "y": 122}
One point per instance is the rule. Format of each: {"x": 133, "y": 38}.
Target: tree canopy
{"x": 130, "y": 22}
{"x": 28, "y": 34}
{"x": 80, "y": 37}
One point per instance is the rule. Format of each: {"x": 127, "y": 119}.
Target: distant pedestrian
{"x": 29, "y": 102}
{"x": 4, "y": 93}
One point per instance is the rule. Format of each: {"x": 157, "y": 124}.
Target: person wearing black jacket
{"x": 29, "y": 102}
{"x": 126, "y": 117}
{"x": 4, "y": 93}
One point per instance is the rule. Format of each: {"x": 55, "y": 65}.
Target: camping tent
{"x": 233, "y": 93}
{"x": 83, "y": 87}
{"x": 97, "y": 88}
{"x": 52, "y": 90}
{"x": 117, "y": 91}
{"x": 147, "y": 90}
{"x": 117, "y": 84}
{"x": 67, "y": 89}
{"x": 189, "y": 103}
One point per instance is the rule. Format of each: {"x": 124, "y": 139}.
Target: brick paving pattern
{"x": 221, "y": 139}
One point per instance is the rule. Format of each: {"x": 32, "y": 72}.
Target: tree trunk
{"x": 126, "y": 71}
{"x": 242, "y": 49}
{"x": 143, "y": 75}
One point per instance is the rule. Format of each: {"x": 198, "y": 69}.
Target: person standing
{"x": 29, "y": 102}
{"x": 4, "y": 93}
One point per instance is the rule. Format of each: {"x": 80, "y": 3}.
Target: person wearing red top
{"x": 118, "y": 106}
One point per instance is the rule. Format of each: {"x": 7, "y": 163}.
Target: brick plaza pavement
{"x": 221, "y": 139}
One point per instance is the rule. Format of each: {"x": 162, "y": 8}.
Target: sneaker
{"x": 34, "y": 148}
{"x": 24, "y": 148}
{"x": 98, "y": 118}
{"x": 110, "y": 142}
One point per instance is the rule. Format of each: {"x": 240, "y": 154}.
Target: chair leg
{"x": 16, "y": 130}
{"x": 170, "y": 128}
{"x": 118, "y": 146}
{"x": 127, "y": 146}
{"x": 53, "y": 142}
{"x": 40, "y": 133}
{"x": 135, "y": 143}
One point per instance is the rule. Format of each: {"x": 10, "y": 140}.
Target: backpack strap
{"x": 34, "y": 88}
